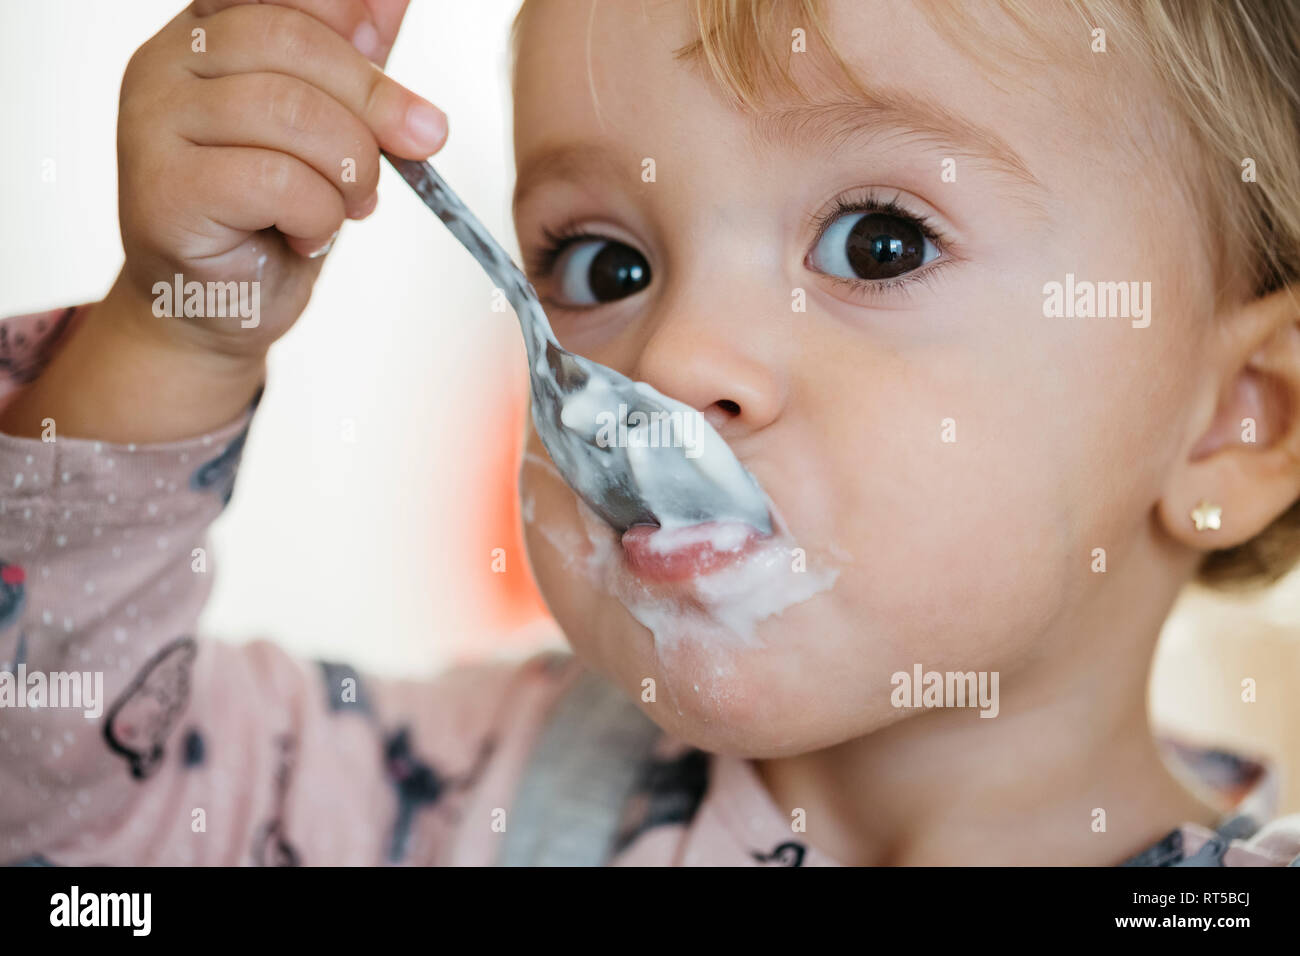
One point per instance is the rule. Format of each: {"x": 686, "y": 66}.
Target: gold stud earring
{"x": 1207, "y": 517}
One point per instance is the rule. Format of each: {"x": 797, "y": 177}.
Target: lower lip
{"x": 680, "y": 554}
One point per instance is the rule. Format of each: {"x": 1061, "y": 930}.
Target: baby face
{"x": 852, "y": 292}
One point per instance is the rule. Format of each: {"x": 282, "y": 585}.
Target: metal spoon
{"x": 625, "y": 483}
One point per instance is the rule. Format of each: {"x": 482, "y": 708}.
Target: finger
{"x": 387, "y": 17}
{"x": 251, "y": 189}
{"x": 274, "y": 111}
{"x": 350, "y": 19}
{"x": 273, "y": 39}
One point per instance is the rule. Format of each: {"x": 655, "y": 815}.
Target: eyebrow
{"x": 834, "y": 123}
{"x": 572, "y": 162}
{"x": 828, "y": 124}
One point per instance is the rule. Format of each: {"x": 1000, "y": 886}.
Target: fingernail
{"x": 325, "y": 248}
{"x": 366, "y": 40}
{"x": 427, "y": 125}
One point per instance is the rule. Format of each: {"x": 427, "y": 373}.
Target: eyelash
{"x": 869, "y": 203}
{"x": 541, "y": 261}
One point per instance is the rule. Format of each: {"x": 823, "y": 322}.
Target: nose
{"x": 720, "y": 357}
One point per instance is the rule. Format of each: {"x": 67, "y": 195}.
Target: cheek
{"x": 962, "y": 528}
{"x": 976, "y": 488}
{"x": 558, "y": 550}
{"x": 566, "y": 565}
{"x": 977, "y": 560}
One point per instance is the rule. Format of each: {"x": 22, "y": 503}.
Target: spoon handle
{"x": 473, "y": 235}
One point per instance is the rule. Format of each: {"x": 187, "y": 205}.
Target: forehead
{"x": 611, "y": 65}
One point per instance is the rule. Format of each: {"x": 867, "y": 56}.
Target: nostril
{"x": 722, "y": 413}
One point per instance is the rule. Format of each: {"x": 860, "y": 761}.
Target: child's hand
{"x": 247, "y": 133}
{"x": 243, "y": 147}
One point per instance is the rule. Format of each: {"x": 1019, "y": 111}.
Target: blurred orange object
{"x": 514, "y": 602}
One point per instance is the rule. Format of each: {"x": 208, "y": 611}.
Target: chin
{"x": 762, "y": 699}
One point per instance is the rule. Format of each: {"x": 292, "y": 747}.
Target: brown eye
{"x": 593, "y": 271}
{"x": 872, "y": 246}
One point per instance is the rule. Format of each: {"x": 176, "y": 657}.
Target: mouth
{"x": 668, "y": 555}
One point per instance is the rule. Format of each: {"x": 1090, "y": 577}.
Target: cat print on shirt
{"x": 218, "y": 474}
{"x": 139, "y": 721}
{"x": 193, "y": 750}
{"x": 669, "y": 791}
{"x": 25, "y": 351}
{"x": 271, "y": 846}
{"x": 418, "y": 785}
{"x": 785, "y": 854}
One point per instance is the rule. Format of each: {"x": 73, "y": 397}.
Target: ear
{"x": 1245, "y": 458}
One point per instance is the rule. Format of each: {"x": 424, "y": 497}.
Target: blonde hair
{"x": 1232, "y": 69}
